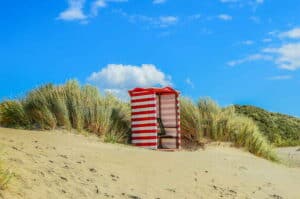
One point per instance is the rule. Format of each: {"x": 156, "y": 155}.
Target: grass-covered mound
{"x": 206, "y": 119}
{"x": 280, "y": 129}
{"x": 69, "y": 106}
{"x": 72, "y": 106}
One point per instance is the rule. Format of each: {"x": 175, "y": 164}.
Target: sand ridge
{"x": 59, "y": 164}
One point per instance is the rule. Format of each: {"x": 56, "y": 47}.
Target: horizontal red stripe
{"x": 143, "y": 125}
{"x": 143, "y": 119}
{"x": 144, "y": 112}
{"x": 143, "y": 131}
{"x": 141, "y": 93}
{"x": 143, "y": 106}
{"x": 144, "y": 138}
{"x": 143, "y": 100}
{"x": 146, "y": 144}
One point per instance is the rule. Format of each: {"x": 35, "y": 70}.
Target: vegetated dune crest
{"x": 59, "y": 164}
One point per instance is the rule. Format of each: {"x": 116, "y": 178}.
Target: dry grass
{"x": 69, "y": 106}
{"x": 206, "y": 119}
{"x": 85, "y": 109}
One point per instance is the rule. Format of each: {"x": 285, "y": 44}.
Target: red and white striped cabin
{"x": 155, "y": 118}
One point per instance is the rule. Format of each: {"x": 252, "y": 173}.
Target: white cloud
{"x": 159, "y": 1}
{"x": 162, "y": 21}
{"x": 292, "y": 34}
{"x": 267, "y": 40}
{"x": 288, "y": 56}
{"x": 229, "y": 1}
{"x": 74, "y": 11}
{"x": 243, "y": 2}
{"x": 189, "y": 82}
{"x": 96, "y": 5}
{"x": 254, "y": 57}
{"x": 225, "y": 17}
{"x": 255, "y": 19}
{"x": 280, "y": 77}
{"x": 119, "y": 78}
{"x": 247, "y": 42}
{"x": 167, "y": 21}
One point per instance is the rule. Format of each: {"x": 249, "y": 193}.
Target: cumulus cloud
{"x": 254, "y": 57}
{"x": 225, "y": 17}
{"x": 292, "y": 34}
{"x": 119, "y": 78}
{"x": 288, "y": 56}
{"x": 74, "y": 11}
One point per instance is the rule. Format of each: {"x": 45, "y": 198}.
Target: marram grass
{"x": 71, "y": 106}
{"x": 206, "y": 119}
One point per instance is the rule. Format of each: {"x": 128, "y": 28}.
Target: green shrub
{"x": 280, "y": 129}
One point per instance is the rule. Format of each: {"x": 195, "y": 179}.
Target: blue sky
{"x": 235, "y": 51}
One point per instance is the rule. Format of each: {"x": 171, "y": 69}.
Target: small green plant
{"x": 5, "y": 176}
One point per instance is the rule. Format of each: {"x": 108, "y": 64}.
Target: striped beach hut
{"x": 155, "y": 118}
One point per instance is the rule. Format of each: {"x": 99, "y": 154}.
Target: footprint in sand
{"x": 63, "y": 156}
{"x": 93, "y": 170}
{"x": 114, "y": 177}
{"x": 276, "y": 196}
{"x": 63, "y": 178}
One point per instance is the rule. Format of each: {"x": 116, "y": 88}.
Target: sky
{"x": 234, "y": 51}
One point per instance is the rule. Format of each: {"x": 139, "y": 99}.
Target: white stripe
{"x": 143, "y": 103}
{"x": 168, "y": 112}
{"x": 167, "y": 105}
{"x": 149, "y": 147}
{"x": 143, "y": 134}
{"x": 143, "y": 141}
{"x": 144, "y": 128}
{"x": 169, "y": 123}
{"x": 143, "y": 109}
{"x": 169, "y": 117}
{"x": 144, "y": 122}
{"x": 143, "y": 115}
{"x": 143, "y": 96}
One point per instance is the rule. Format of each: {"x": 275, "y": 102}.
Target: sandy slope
{"x": 290, "y": 155}
{"x": 64, "y": 165}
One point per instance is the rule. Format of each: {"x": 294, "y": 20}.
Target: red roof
{"x": 154, "y": 90}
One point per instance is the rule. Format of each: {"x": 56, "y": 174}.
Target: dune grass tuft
{"x": 69, "y": 106}
{"x": 206, "y": 119}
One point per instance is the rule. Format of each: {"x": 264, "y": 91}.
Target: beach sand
{"x": 57, "y": 164}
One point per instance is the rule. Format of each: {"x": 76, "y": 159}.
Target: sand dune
{"x": 65, "y": 165}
